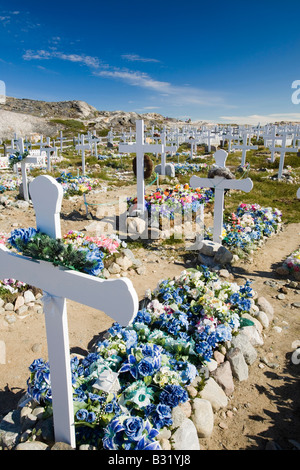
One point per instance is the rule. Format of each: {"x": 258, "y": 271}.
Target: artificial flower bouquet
{"x": 183, "y": 321}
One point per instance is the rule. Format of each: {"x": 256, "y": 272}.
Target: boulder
{"x": 223, "y": 377}
{"x": 214, "y": 394}
{"x": 203, "y": 417}
{"x": 265, "y": 306}
{"x": 242, "y": 342}
{"x": 185, "y": 437}
{"x": 238, "y": 364}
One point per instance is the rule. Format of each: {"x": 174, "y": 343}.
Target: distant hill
{"x": 26, "y": 116}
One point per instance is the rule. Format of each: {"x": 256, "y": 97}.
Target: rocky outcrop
{"x": 25, "y": 116}
{"x": 50, "y": 110}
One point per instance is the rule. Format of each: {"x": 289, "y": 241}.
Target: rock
{"x": 206, "y": 260}
{"x": 28, "y": 296}
{"x": 223, "y": 377}
{"x": 135, "y": 225}
{"x": 45, "y": 427}
{"x": 141, "y": 270}
{"x": 35, "y": 445}
{"x": 265, "y": 306}
{"x": 209, "y": 248}
{"x": 296, "y": 304}
{"x": 225, "y": 273}
{"x": 29, "y": 422}
{"x": 186, "y": 408}
{"x": 9, "y": 307}
{"x": 263, "y": 318}
{"x": 214, "y": 394}
{"x": 124, "y": 262}
{"x": 281, "y": 296}
{"x": 185, "y": 437}
{"x": 191, "y": 391}
{"x": 257, "y": 324}
{"x": 23, "y": 309}
{"x": 19, "y": 302}
{"x": 219, "y": 357}
{"x": 242, "y": 342}
{"x": 1, "y": 303}
{"x": 169, "y": 170}
{"x": 223, "y": 425}
{"x": 164, "y": 433}
{"x": 238, "y": 364}
{"x": 165, "y": 444}
{"x": 114, "y": 268}
{"x": 203, "y": 417}
{"x": 24, "y": 205}
{"x": 254, "y": 336}
{"x": 211, "y": 365}
{"x": 223, "y": 256}
{"x": 178, "y": 416}
{"x": 10, "y": 319}
{"x": 36, "y": 347}
{"x": 10, "y": 429}
{"x": 128, "y": 253}
{"x": 61, "y": 446}
{"x": 87, "y": 447}
{"x": 38, "y": 412}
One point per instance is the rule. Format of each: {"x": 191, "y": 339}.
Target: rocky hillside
{"x": 26, "y": 116}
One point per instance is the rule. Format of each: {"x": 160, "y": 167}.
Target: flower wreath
{"x": 17, "y": 158}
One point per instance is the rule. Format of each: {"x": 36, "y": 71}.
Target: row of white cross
{"x": 117, "y": 298}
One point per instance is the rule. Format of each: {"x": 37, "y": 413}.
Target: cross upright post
{"x": 171, "y": 148}
{"x": 31, "y": 159}
{"x": 245, "y": 146}
{"x": 83, "y": 147}
{"x": 282, "y": 150}
{"x": 140, "y": 148}
{"x": 220, "y": 184}
{"x": 117, "y": 298}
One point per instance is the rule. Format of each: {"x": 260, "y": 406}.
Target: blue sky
{"x": 218, "y": 61}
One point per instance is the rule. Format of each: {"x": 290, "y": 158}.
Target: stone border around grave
{"x": 192, "y": 421}
{"x": 26, "y": 303}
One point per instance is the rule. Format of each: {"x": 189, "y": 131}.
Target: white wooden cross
{"x": 61, "y": 139}
{"x": 31, "y": 159}
{"x": 46, "y": 147}
{"x": 117, "y": 298}
{"x": 245, "y": 146}
{"x": 166, "y": 148}
{"x": 110, "y": 137}
{"x": 83, "y": 147}
{"x": 208, "y": 137}
{"x": 139, "y": 148}
{"x": 220, "y": 184}
{"x": 229, "y": 137}
{"x": 282, "y": 150}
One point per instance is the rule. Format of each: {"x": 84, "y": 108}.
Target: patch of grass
{"x": 71, "y": 125}
{"x": 268, "y": 193}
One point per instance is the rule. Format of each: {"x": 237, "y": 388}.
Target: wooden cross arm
{"x": 150, "y": 148}
{"x": 245, "y": 185}
{"x": 115, "y": 297}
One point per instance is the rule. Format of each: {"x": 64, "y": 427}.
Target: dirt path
{"x": 265, "y": 408}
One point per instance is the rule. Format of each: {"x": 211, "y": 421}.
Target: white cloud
{"x": 137, "y": 58}
{"x": 254, "y": 119}
{"x": 179, "y": 95}
{"x": 46, "y": 55}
